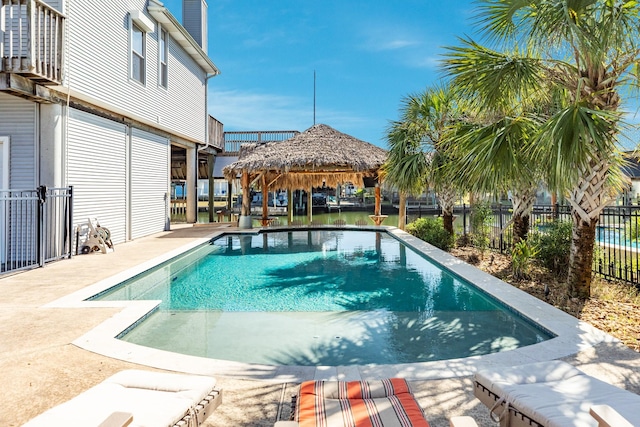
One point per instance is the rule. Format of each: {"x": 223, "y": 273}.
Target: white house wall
{"x": 93, "y": 39}
{"x": 18, "y": 122}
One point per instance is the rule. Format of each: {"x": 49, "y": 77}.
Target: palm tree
{"x": 406, "y": 166}
{"x": 491, "y": 156}
{"x": 589, "y": 49}
{"x": 417, "y": 154}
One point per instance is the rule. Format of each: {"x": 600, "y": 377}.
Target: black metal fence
{"x": 617, "y": 244}
{"x": 35, "y": 227}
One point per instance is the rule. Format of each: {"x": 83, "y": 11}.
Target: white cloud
{"x": 241, "y": 110}
{"x": 244, "y": 110}
{"x": 377, "y": 39}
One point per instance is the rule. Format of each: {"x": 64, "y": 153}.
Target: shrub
{"x": 521, "y": 255}
{"x": 432, "y": 231}
{"x": 554, "y": 246}
{"x": 481, "y": 217}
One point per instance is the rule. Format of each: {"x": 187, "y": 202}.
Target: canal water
{"x": 349, "y": 217}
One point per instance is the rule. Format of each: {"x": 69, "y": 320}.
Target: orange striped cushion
{"x": 385, "y": 403}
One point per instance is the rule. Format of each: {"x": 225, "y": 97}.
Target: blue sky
{"x": 367, "y": 56}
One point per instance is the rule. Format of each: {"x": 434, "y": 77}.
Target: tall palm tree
{"x": 416, "y": 147}
{"x": 588, "y": 48}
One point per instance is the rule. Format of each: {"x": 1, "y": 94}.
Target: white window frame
{"x": 132, "y": 52}
{"x": 163, "y": 66}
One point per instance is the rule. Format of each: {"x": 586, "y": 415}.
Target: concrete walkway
{"x": 40, "y": 368}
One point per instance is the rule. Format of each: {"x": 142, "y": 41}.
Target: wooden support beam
{"x": 246, "y": 202}
{"x": 25, "y": 88}
{"x": 265, "y": 201}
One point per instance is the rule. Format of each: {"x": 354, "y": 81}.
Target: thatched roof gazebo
{"x": 319, "y": 155}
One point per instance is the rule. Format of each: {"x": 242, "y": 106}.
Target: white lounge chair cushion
{"x": 556, "y": 394}
{"x": 154, "y": 398}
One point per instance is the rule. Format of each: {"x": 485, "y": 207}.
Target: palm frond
{"x": 494, "y": 79}
{"x": 572, "y": 138}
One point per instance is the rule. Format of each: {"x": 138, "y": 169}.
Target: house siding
{"x": 149, "y": 183}
{"x": 18, "y": 119}
{"x": 97, "y": 167}
{"x": 180, "y": 107}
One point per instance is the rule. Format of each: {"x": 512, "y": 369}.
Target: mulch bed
{"x": 613, "y": 307}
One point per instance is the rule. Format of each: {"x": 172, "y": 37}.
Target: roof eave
{"x": 182, "y": 36}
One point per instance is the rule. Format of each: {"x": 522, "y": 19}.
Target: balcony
{"x": 31, "y": 44}
{"x": 233, "y": 140}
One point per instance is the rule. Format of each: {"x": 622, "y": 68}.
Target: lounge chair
{"x": 385, "y": 403}
{"x": 554, "y": 394}
{"x": 138, "y": 398}
{"x": 604, "y": 415}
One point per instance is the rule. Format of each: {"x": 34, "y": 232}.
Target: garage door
{"x": 97, "y": 170}
{"x": 149, "y": 183}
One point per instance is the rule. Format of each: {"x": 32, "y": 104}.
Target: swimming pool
{"x": 318, "y": 297}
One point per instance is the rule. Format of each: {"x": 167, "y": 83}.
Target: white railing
{"x": 32, "y": 41}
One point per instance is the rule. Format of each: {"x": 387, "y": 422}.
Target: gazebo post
{"x": 289, "y": 206}
{"x": 265, "y": 200}
{"x": 245, "y": 213}
{"x": 310, "y": 205}
{"x": 377, "y": 216}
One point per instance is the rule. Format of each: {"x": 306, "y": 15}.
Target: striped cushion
{"x": 387, "y": 403}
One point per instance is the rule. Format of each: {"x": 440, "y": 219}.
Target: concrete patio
{"x": 41, "y": 368}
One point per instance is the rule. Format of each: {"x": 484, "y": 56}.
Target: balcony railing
{"x": 216, "y": 133}
{"x": 33, "y": 40}
{"x": 233, "y": 140}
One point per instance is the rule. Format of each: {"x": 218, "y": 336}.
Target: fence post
{"x": 42, "y": 198}
{"x": 464, "y": 219}
{"x": 70, "y": 234}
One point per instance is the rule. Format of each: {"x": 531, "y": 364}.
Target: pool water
{"x": 318, "y": 297}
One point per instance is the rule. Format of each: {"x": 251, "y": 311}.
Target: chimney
{"x": 194, "y": 19}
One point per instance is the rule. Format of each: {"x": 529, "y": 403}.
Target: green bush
{"x": 481, "y": 217}
{"x": 554, "y": 246}
{"x": 432, "y": 231}
{"x": 521, "y": 255}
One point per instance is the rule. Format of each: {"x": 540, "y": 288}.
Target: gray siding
{"x": 181, "y": 107}
{"x": 194, "y": 20}
{"x": 149, "y": 183}
{"x": 97, "y": 158}
{"x": 18, "y": 122}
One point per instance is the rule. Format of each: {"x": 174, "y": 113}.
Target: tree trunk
{"x": 523, "y": 201}
{"x": 447, "y": 199}
{"x": 581, "y": 257}
{"x": 520, "y": 228}
{"x": 587, "y": 201}
{"x": 402, "y": 211}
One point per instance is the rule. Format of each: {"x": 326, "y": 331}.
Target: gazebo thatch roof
{"x": 318, "y": 155}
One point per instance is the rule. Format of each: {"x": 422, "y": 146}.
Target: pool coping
{"x": 572, "y": 335}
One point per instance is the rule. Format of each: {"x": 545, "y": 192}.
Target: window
{"x": 138, "y": 53}
{"x": 163, "y": 54}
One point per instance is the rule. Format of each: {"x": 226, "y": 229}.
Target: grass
{"x": 614, "y": 307}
